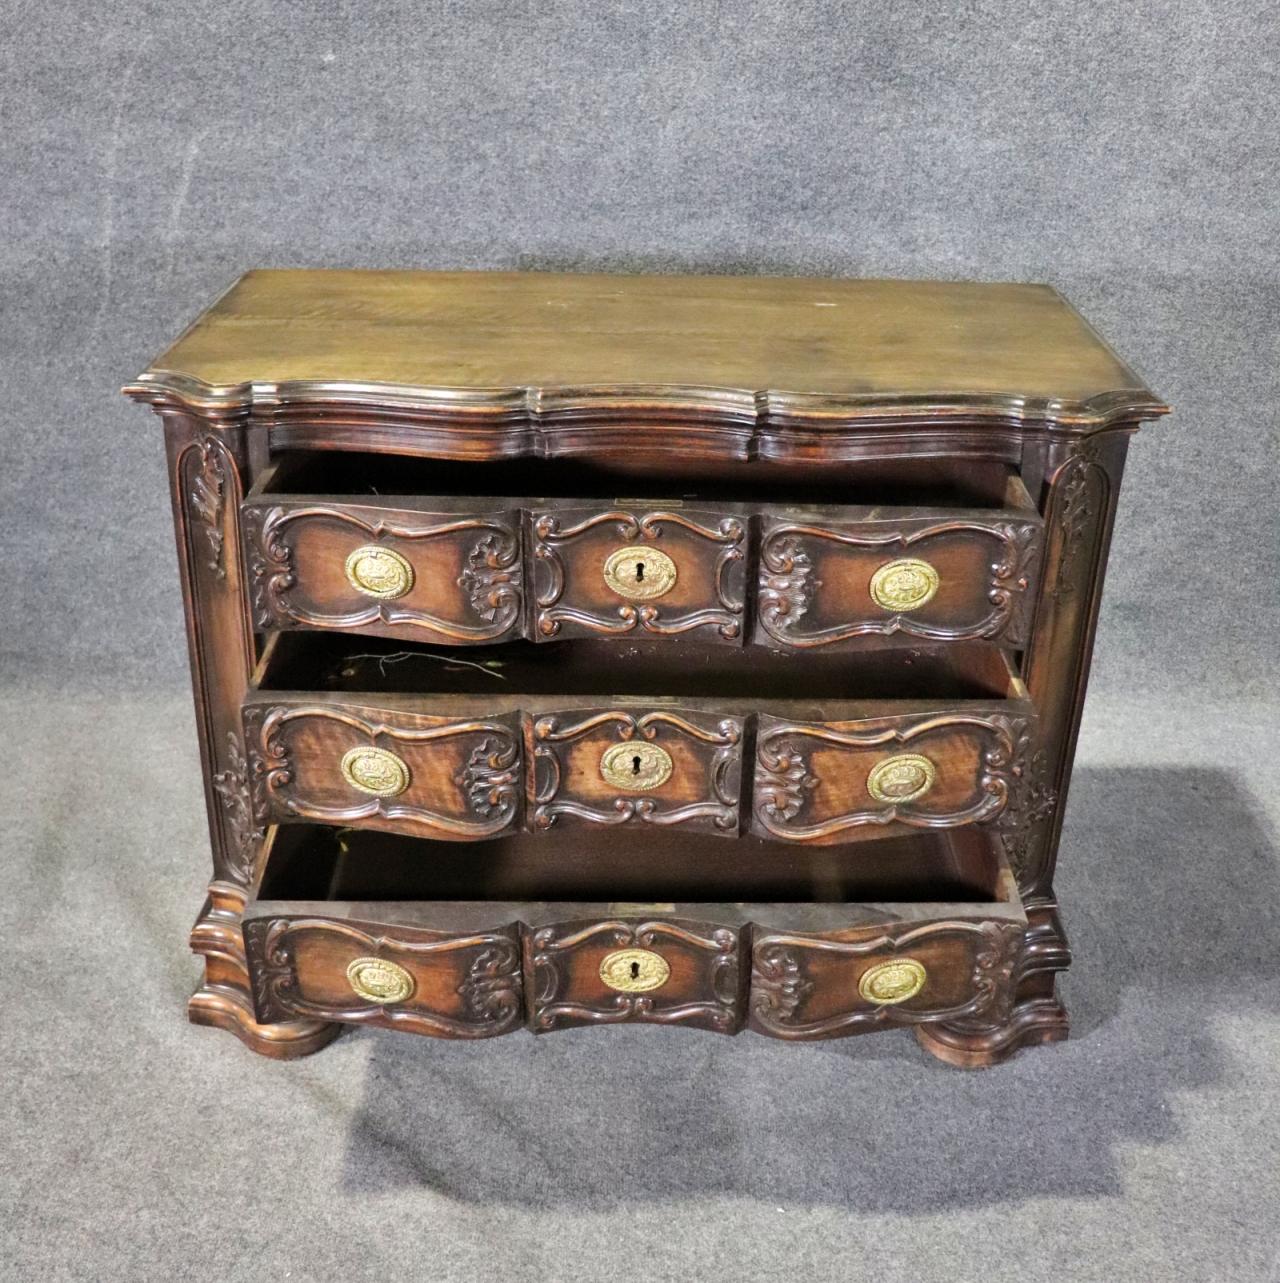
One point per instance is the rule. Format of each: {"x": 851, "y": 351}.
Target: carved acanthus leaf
{"x": 208, "y": 495}
{"x": 234, "y": 787}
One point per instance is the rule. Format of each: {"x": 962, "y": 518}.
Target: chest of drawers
{"x": 586, "y": 649}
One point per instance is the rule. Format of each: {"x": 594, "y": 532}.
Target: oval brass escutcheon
{"x": 905, "y": 584}
{"x": 634, "y": 970}
{"x": 892, "y": 981}
{"x": 379, "y": 572}
{"x": 639, "y": 573}
{"x": 635, "y": 766}
{"x": 380, "y": 981}
{"x": 375, "y": 771}
{"x": 902, "y": 778}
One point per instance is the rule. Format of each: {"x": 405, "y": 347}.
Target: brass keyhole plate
{"x": 639, "y": 573}
{"x": 892, "y": 981}
{"x": 379, "y": 572}
{"x": 905, "y": 584}
{"x": 635, "y": 766}
{"x": 903, "y": 778}
{"x": 375, "y": 771}
{"x": 635, "y": 970}
{"x": 380, "y": 981}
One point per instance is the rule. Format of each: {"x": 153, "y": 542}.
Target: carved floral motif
{"x": 1032, "y": 800}
{"x": 208, "y": 493}
{"x": 1077, "y": 503}
{"x": 234, "y": 787}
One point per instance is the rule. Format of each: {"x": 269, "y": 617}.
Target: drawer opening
{"x": 946, "y": 483}
{"x": 337, "y": 663}
{"x": 320, "y": 863}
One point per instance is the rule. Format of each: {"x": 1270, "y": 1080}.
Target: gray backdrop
{"x": 1125, "y": 152}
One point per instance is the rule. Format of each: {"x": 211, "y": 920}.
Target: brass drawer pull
{"x": 640, "y": 573}
{"x": 375, "y": 771}
{"x": 903, "y": 778}
{"x": 634, "y": 970}
{"x": 905, "y": 584}
{"x": 636, "y": 766}
{"x": 892, "y": 981}
{"x": 379, "y": 572}
{"x": 380, "y": 981}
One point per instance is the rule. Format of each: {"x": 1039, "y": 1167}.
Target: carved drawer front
{"x": 829, "y": 577}
{"x": 421, "y": 981}
{"x": 604, "y": 972}
{"x": 447, "y": 577}
{"x": 910, "y": 972}
{"x": 627, "y": 572}
{"x": 430, "y": 776}
{"x": 662, "y": 767}
{"x": 847, "y": 781}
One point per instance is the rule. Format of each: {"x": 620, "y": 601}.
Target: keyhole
{"x": 639, "y": 572}
{"x": 635, "y": 971}
{"x": 635, "y": 765}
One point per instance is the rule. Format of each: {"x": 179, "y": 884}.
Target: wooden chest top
{"x": 847, "y": 348}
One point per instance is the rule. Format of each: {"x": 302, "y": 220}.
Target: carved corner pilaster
{"x": 1082, "y": 482}
{"x": 208, "y": 463}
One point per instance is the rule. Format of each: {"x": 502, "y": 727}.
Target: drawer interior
{"x": 944, "y": 483}
{"x": 316, "y": 863}
{"x": 339, "y": 664}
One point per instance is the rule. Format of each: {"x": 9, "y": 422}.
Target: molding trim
{"x": 548, "y": 421}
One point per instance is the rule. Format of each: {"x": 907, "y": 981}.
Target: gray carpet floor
{"x": 138, "y": 1146}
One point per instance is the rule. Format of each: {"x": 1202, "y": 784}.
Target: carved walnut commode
{"x": 585, "y": 649}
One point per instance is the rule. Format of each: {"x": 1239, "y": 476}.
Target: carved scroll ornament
{"x": 781, "y": 983}
{"x": 491, "y": 989}
{"x": 551, "y": 537}
{"x": 784, "y": 777}
{"x": 550, "y": 948}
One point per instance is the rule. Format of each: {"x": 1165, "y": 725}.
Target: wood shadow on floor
{"x": 1168, "y": 879}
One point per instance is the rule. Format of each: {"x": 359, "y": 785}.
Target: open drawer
{"x": 446, "y": 745}
{"x": 635, "y": 928}
{"x": 832, "y": 575}
{"x": 455, "y": 554}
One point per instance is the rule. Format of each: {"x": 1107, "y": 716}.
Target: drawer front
{"x": 607, "y": 972}
{"x": 664, "y": 767}
{"x": 828, "y": 986}
{"x": 855, "y": 780}
{"x": 945, "y": 577}
{"x": 451, "y": 986}
{"x": 446, "y": 578}
{"x": 409, "y": 773}
{"x": 601, "y": 572}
